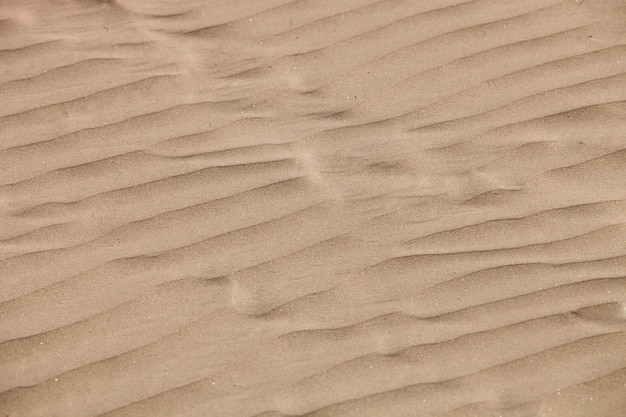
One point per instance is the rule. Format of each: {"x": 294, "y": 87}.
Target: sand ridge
{"x": 313, "y": 207}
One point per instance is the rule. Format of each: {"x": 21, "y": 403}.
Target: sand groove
{"x": 306, "y": 207}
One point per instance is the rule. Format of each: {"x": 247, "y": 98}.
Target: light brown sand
{"x": 313, "y": 207}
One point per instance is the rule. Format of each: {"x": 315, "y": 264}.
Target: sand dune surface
{"x": 280, "y": 208}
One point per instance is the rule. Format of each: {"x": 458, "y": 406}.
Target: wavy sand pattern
{"x": 313, "y": 207}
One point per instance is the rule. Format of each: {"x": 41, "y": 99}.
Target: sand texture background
{"x": 281, "y": 208}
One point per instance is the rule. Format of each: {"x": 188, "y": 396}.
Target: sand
{"x": 280, "y": 208}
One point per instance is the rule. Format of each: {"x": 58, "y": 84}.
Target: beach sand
{"x": 280, "y": 208}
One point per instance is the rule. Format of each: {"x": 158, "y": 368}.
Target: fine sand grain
{"x": 275, "y": 208}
